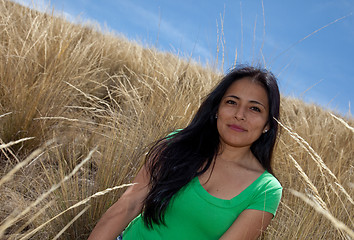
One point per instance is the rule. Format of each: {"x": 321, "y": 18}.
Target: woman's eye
{"x": 230, "y": 102}
{"x": 256, "y": 109}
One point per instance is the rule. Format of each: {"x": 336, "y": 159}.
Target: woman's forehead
{"x": 247, "y": 89}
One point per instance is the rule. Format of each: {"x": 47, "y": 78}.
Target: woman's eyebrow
{"x": 251, "y": 101}
{"x": 256, "y": 102}
{"x": 233, "y": 96}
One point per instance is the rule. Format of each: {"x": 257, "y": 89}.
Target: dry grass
{"x": 78, "y": 108}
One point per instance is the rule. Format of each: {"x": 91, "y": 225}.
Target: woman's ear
{"x": 266, "y": 128}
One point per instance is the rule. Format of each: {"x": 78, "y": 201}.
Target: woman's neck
{"x": 241, "y": 156}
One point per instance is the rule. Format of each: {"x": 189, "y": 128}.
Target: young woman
{"x": 213, "y": 179}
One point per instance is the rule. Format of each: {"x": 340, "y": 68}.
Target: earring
{"x": 216, "y": 116}
{"x": 265, "y": 131}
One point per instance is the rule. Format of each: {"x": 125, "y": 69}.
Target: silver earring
{"x": 216, "y": 116}
{"x": 265, "y": 131}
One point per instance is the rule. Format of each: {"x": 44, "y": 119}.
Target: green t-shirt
{"x": 195, "y": 214}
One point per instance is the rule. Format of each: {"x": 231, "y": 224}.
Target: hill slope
{"x": 71, "y": 95}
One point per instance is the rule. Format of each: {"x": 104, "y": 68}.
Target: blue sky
{"x": 317, "y": 68}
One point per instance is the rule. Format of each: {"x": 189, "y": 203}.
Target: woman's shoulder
{"x": 268, "y": 180}
{"x": 171, "y": 134}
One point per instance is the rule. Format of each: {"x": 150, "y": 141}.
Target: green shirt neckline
{"x": 226, "y": 203}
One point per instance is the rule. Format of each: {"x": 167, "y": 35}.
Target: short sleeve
{"x": 170, "y": 135}
{"x": 267, "y": 197}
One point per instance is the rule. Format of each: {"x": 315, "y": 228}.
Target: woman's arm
{"x": 119, "y": 215}
{"x": 248, "y": 225}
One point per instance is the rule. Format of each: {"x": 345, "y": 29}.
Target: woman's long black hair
{"x": 175, "y": 160}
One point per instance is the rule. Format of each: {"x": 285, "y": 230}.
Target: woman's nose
{"x": 240, "y": 114}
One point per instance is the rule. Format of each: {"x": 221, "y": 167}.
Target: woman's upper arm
{"x": 129, "y": 205}
{"x": 248, "y": 225}
{"x": 138, "y": 192}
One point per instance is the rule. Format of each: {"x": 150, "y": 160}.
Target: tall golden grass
{"x": 78, "y": 109}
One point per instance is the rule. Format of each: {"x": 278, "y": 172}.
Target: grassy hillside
{"x": 79, "y": 108}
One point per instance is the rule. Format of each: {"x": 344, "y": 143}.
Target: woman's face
{"x": 243, "y": 114}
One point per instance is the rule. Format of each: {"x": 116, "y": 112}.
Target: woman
{"x": 213, "y": 179}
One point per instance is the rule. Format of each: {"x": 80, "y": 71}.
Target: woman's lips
{"x": 237, "y": 128}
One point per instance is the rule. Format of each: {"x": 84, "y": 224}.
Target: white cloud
{"x": 165, "y": 29}
{"x": 45, "y": 6}
{"x": 40, "y": 5}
